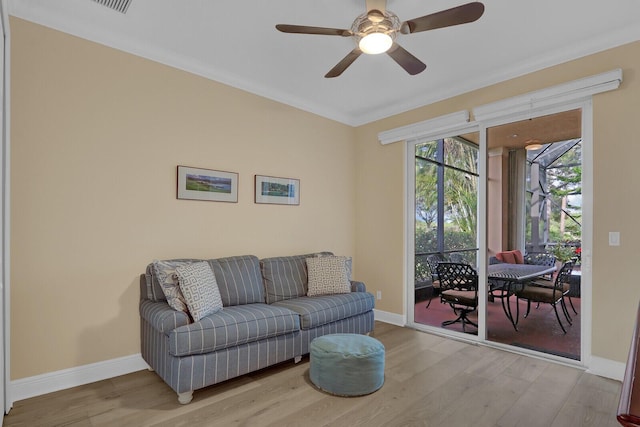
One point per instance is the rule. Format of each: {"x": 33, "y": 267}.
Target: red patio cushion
{"x": 511, "y": 257}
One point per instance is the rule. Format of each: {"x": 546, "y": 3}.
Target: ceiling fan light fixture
{"x": 375, "y": 43}
{"x": 375, "y": 31}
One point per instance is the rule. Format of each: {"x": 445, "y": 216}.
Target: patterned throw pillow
{"x": 329, "y": 275}
{"x": 200, "y": 289}
{"x": 164, "y": 271}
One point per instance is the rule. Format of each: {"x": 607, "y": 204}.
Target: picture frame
{"x": 207, "y": 184}
{"x": 278, "y": 191}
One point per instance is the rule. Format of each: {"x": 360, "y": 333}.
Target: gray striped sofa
{"x": 267, "y": 319}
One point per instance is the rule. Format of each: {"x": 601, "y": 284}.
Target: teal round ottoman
{"x": 347, "y": 364}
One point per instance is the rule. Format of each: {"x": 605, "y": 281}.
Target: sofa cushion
{"x": 200, "y": 290}
{"x": 329, "y": 275}
{"x": 154, "y": 287}
{"x": 286, "y": 277}
{"x": 320, "y": 310}
{"x": 239, "y": 279}
{"x": 231, "y": 327}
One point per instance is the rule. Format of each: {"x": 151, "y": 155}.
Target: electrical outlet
{"x": 614, "y": 238}
{"x": 378, "y": 294}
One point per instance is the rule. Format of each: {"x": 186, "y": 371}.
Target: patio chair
{"x": 548, "y": 282}
{"x": 497, "y": 288}
{"x": 459, "y": 289}
{"x": 456, "y": 257}
{"x": 433, "y": 261}
{"x": 541, "y": 258}
{"x": 550, "y": 295}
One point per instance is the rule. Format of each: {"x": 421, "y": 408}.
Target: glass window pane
{"x": 460, "y": 206}
{"x": 426, "y": 207}
{"x": 426, "y": 217}
{"x": 460, "y": 155}
{"x": 554, "y": 200}
{"x": 427, "y": 150}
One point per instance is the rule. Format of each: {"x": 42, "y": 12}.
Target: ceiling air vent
{"x": 119, "y": 5}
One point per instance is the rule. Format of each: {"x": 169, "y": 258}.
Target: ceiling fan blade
{"x": 458, "y": 15}
{"x": 380, "y": 5}
{"x": 410, "y": 63}
{"x": 304, "y": 29}
{"x": 344, "y": 63}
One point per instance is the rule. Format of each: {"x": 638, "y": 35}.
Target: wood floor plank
{"x": 490, "y": 363}
{"x": 429, "y": 381}
{"x": 527, "y": 368}
{"x": 592, "y": 402}
{"x": 542, "y": 401}
{"x": 469, "y": 400}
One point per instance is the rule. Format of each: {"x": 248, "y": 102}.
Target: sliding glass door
{"x": 446, "y": 221}
{"x": 535, "y": 206}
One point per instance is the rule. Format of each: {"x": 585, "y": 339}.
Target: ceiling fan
{"x": 376, "y": 30}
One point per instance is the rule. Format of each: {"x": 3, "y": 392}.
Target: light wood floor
{"x": 429, "y": 381}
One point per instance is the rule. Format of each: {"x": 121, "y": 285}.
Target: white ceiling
{"x": 236, "y": 43}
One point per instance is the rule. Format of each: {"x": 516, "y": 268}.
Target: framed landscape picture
{"x": 280, "y": 191}
{"x": 207, "y": 184}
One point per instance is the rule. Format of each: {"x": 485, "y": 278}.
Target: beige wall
{"x": 96, "y": 137}
{"x": 616, "y": 287}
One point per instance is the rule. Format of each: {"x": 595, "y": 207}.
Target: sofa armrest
{"x": 162, "y": 317}
{"x": 358, "y": 286}
{"x": 143, "y": 287}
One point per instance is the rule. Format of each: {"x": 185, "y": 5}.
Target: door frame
{"x": 562, "y": 97}
{"x": 5, "y": 46}
{"x": 587, "y": 223}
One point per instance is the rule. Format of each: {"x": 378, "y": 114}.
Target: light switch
{"x": 614, "y": 238}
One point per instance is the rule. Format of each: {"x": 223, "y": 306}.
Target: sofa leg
{"x": 185, "y": 397}
{"x": 297, "y": 359}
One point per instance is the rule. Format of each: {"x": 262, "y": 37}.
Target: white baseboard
{"x": 392, "y": 318}
{"x": 606, "y": 368}
{"x": 54, "y": 381}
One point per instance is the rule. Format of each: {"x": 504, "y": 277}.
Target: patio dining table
{"x": 507, "y": 277}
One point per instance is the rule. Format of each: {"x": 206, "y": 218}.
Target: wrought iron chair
{"x": 459, "y": 289}
{"x": 497, "y": 288}
{"x": 433, "y": 261}
{"x": 457, "y": 257}
{"x": 541, "y": 258}
{"x": 548, "y": 282}
{"x": 553, "y": 295}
